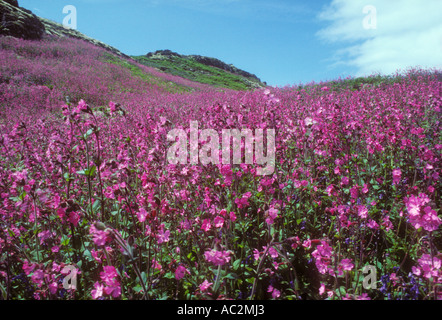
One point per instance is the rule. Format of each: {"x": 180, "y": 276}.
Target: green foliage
{"x": 137, "y": 71}
{"x": 190, "y": 69}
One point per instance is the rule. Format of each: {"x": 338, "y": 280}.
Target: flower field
{"x": 87, "y": 193}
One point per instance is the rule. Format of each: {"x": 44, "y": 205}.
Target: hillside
{"x": 201, "y": 69}
{"x": 22, "y": 23}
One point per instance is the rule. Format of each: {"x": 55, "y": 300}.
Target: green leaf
{"x": 137, "y": 288}
{"x": 92, "y": 171}
{"x": 236, "y": 264}
{"x": 64, "y": 240}
{"x": 22, "y": 196}
{"x": 11, "y": 233}
{"x": 144, "y": 277}
{"x": 88, "y": 133}
{"x": 231, "y": 276}
{"x": 88, "y": 172}
{"x": 88, "y": 255}
{"x": 96, "y": 206}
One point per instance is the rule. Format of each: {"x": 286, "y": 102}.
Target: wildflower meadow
{"x": 92, "y": 208}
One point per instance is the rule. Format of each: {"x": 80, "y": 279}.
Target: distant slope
{"x": 22, "y": 23}
{"x": 201, "y": 69}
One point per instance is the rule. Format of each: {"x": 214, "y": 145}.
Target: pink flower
{"x": 256, "y": 254}
{"x": 275, "y": 292}
{"x": 363, "y": 296}
{"x": 322, "y": 255}
{"x": 354, "y": 192}
{"x": 98, "y": 291}
{"x": 373, "y": 225}
{"x": 307, "y": 244}
{"x": 218, "y": 258}
{"x": 44, "y": 235}
{"x": 429, "y": 268}
{"x": 206, "y": 226}
{"x": 243, "y": 201}
{"x": 219, "y": 221}
{"x": 365, "y": 188}
{"x": 113, "y": 107}
{"x": 421, "y": 215}
{"x": 96, "y": 255}
{"x": 345, "y": 180}
{"x": 53, "y": 287}
{"x": 100, "y": 237}
{"x": 156, "y": 265}
{"x": 142, "y": 215}
{"x": 180, "y": 272}
{"x": 112, "y": 287}
{"x": 430, "y": 219}
{"x": 74, "y": 218}
{"x": 82, "y": 106}
{"x": 321, "y": 289}
{"x": 345, "y": 265}
{"x": 37, "y": 277}
{"x": 362, "y": 211}
{"x": 163, "y": 236}
{"x": 272, "y": 214}
{"x": 387, "y": 223}
{"x": 272, "y": 252}
{"x": 330, "y": 190}
{"x": 113, "y": 290}
{"x": 396, "y": 176}
{"x": 232, "y": 216}
{"x": 205, "y": 285}
{"x": 108, "y": 274}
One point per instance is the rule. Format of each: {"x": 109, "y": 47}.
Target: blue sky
{"x": 283, "y": 42}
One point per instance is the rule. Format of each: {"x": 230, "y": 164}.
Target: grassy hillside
{"x": 189, "y": 68}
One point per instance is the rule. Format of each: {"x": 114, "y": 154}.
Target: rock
{"x": 12, "y": 2}
{"x": 160, "y": 53}
{"x": 208, "y": 61}
{"x": 19, "y": 23}
{"x": 22, "y": 23}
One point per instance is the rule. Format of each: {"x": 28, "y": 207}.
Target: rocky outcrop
{"x": 19, "y": 22}
{"x": 222, "y": 65}
{"x": 162, "y": 53}
{"x": 12, "y": 2}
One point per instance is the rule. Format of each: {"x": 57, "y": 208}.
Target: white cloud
{"x": 408, "y": 34}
